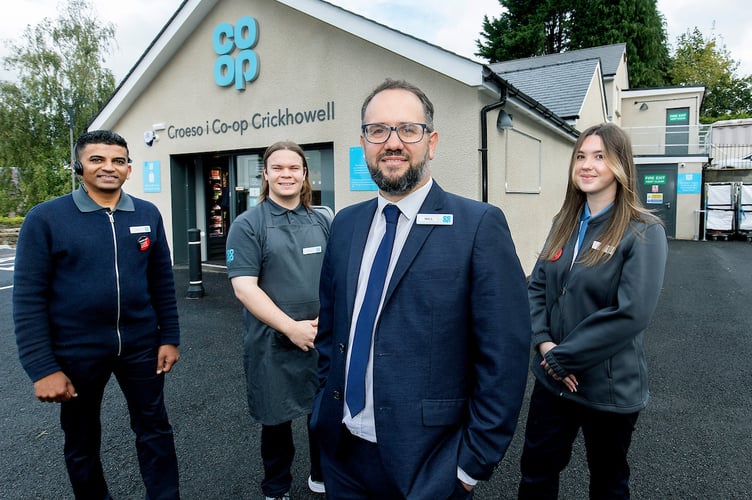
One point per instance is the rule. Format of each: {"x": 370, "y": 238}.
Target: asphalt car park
{"x": 692, "y": 442}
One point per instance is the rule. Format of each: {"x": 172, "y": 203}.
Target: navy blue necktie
{"x": 355, "y": 393}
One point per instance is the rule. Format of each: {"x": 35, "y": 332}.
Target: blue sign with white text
{"x": 152, "y": 177}
{"x": 689, "y": 183}
{"x": 360, "y": 177}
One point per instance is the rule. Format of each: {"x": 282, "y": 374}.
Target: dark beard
{"x": 404, "y": 184}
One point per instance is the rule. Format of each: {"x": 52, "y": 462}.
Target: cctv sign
{"x": 237, "y": 63}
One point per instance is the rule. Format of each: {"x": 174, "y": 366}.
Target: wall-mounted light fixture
{"x": 150, "y": 136}
{"x": 504, "y": 120}
{"x": 643, "y": 106}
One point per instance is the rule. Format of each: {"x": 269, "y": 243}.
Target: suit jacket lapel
{"x": 357, "y": 246}
{"x": 433, "y": 204}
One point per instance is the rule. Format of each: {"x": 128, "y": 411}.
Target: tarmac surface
{"x": 694, "y": 440}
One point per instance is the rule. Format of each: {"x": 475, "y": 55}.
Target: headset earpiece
{"x": 78, "y": 168}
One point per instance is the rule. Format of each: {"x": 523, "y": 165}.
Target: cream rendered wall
{"x": 593, "y": 111}
{"x": 647, "y": 129}
{"x": 529, "y": 214}
{"x": 304, "y": 63}
{"x": 648, "y": 126}
{"x": 614, "y": 85}
{"x": 687, "y": 206}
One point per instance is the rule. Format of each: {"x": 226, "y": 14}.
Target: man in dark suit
{"x": 446, "y": 357}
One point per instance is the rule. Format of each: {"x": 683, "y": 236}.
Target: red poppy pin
{"x": 144, "y": 243}
{"x": 557, "y": 255}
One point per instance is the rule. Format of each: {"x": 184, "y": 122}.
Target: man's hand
{"x": 467, "y": 487}
{"x": 167, "y": 356}
{"x": 304, "y": 334}
{"x": 54, "y": 388}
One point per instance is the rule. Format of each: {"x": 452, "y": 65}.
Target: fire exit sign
{"x": 654, "y": 179}
{"x": 678, "y": 116}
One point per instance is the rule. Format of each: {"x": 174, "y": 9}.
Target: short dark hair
{"x": 390, "y": 84}
{"x": 101, "y": 137}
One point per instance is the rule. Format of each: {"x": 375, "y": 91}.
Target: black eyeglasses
{"x": 409, "y": 133}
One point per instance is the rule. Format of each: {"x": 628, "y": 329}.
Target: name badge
{"x": 140, "y": 229}
{"x": 608, "y": 249}
{"x": 311, "y": 250}
{"x": 435, "y": 219}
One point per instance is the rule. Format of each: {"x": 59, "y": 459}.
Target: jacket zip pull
{"x": 111, "y": 216}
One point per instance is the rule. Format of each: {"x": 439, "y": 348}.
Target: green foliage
{"x": 705, "y": 62}
{"x": 59, "y": 69}
{"x": 636, "y": 23}
{"x": 540, "y": 27}
{"x": 520, "y": 30}
{"x": 11, "y": 221}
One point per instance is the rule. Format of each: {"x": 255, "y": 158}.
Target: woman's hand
{"x": 570, "y": 380}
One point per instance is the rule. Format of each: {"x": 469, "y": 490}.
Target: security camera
{"x": 150, "y": 137}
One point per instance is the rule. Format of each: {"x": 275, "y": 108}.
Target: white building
{"x": 226, "y": 78}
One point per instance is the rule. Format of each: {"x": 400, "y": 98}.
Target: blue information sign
{"x": 689, "y": 183}
{"x": 152, "y": 178}
{"x": 360, "y": 178}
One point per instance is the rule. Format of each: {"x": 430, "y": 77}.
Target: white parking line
{"x": 6, "y": 287}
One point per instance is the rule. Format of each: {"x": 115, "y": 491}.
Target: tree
{"x": 60, "y": 73}
{"x": 542, "y": 27}
{"x": 706, "y": 62}
{"x": 638, "y": 23}
{"x": 526, "y": 29}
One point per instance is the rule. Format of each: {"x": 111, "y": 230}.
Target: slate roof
{"x": 561, "y": 87}
{"x": 610, "y": 56}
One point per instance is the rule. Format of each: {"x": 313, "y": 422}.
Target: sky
{"x": 452, "y": 24}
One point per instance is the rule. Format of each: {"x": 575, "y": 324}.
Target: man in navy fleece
{"x": 93, "y": 296}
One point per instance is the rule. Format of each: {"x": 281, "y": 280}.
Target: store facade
{"x": 227, "y": 78}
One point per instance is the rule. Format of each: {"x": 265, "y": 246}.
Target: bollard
{"x": 195, "y": 280}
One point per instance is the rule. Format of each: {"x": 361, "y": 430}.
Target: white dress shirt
{"x": 363, "y": 425}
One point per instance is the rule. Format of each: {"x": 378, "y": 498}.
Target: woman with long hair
{"x": 592, "y": 293}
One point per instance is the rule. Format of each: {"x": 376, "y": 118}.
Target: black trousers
{"x": 552, "y": 426}
{"x": 136, "y": 373}
{"x": 278, "y": 452}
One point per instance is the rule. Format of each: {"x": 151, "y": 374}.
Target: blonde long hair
{"x": 617, "y": 150}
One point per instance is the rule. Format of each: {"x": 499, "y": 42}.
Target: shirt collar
{"x": 277, "y": 209}
{"x": 410, "y": 204}
{"x": 85, "y": 204}
{"x": 585, "y": 214}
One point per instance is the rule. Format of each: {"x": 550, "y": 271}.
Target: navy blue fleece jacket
{"x": 91, "y": 283}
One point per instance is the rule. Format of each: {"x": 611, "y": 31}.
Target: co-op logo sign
{"x": 237, "y": 63}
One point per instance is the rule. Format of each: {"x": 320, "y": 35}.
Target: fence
{"x": 730, "y": 155}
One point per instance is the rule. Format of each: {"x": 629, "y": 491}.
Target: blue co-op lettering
{"x": 239, "y": 67}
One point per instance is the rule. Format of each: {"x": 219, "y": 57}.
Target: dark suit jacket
{"x": 451, "y": 347}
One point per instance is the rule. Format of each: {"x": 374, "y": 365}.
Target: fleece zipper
{"x": 117, "y": 280}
